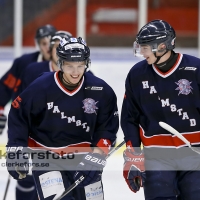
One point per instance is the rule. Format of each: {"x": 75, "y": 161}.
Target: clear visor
{"x": 144, "y": 49}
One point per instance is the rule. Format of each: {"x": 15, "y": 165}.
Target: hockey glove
{"x": 3, "y": 120}
{"x": 134, "y": 170}
{"x": 17, "y": 162}
{"x": 91, "y": 167}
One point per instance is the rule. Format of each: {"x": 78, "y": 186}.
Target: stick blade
{"x": 196, "y": 149}
{"x": 59, "y": 195}
{"x": 168, "y": 128}
{"x": 175, "y": 132}
{"x": 180, "y": 136}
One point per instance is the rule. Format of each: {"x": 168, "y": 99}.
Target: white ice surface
{"x": 112, "y": 65}
{"x": 114, "y": 73}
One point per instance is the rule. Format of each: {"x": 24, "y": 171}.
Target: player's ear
{"x": 162, "y": 46}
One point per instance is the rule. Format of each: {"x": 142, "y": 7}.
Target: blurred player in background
{"x": 11, "y": 80}
{"x": 9, "y": 90}
{"x": 163, "y": 87}
{"x": 35, "y": 69}
{"x": 61, "y": 110}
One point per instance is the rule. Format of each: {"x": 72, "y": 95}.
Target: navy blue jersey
{"x": 49, "y": 115}
{"x": 172, "y": 97}
{"x": 11, "y": 80}
{"x": 33, "y": 71}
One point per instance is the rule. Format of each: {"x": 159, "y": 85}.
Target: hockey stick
{"x": 179, "y": 135}
{"x": 78, "y": 181}
{"x": 7, "y": 185}
{"x": 21, "y": 176}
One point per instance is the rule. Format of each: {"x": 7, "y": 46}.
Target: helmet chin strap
{"x": 69, "y": 83}
{"x": 159, "y": 57}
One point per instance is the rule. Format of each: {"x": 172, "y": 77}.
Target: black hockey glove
{"x": 3, "y": 120}
{"x": 134, "y": 170}
{"x": 91, "y": 167}
{"x": 17, "y": 162}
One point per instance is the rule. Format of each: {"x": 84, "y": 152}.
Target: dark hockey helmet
{"x": 45, "y": 31}
{"x": 156, "y": 32}
{"x": 74, "y": 49}
{"x": 59, "y": 35}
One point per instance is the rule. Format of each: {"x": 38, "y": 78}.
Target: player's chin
{"x": 46, "y": 56}
{"x": 74, "y": 81}
{"x": 149, "y": 61}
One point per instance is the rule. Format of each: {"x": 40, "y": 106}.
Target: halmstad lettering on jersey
{"x": 173, "y": 107}
{"x": 71, "y": 119}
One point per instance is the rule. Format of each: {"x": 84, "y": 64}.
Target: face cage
{"x": 144, "y": 49}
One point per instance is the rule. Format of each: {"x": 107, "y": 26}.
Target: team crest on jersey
{"x": 184, "y": 87}
{"x": 90, "y": 106}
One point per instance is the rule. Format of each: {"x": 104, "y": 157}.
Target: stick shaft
{"x": 179, "y": 135}
{"x": 175, "y": 132}
{"x": 6, "y": 190}
{"x": 115, "y": 149}
{"x": 77, "y": 182}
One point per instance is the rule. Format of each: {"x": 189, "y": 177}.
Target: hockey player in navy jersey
{"x": 36, "y": 69}
{"x": 65, "y": 111}
{"x": 11, "y": 80}
{"x": 9, "y": 90}
{"x": 163, "y": 87}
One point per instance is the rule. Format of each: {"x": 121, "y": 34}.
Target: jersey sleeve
{"x": 26, "y": 78}
{"x": 25, "y": 111}
{"x": 107, "y": 123}
{"x": 130, "y": 115}
{"x": 9, "y": 83}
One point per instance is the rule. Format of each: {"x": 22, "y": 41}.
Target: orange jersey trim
{"x": 165, "y": 73}
{"x": 166, "y": 140}
{"x": 10, "y": 81}
{"x": 1, "y": 110}
{"x": 168, "y": 73}
{"x": 64, "y": 88}
{"x": 79, "y": 148}
{"x": 104, "y": 145}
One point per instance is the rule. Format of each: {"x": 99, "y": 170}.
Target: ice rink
{"x": 112, "y": 65}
